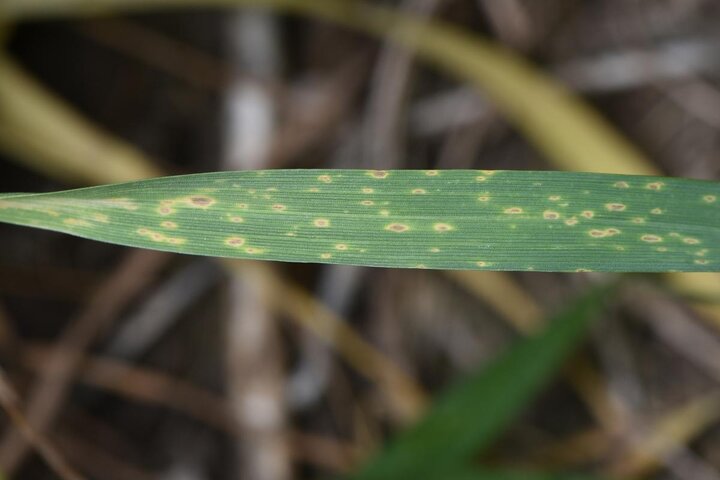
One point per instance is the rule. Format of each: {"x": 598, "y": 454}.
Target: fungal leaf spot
{"x": 321, "y": 222}
{"x": 650, "y": 238}
{"x": 200, "y": 201}
{"x": 615, "y": 207}
{"x": 235, "y": 242}
{"x": 397, "y": 227}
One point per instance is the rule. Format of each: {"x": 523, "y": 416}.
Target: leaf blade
{"x": 452, "y": 219}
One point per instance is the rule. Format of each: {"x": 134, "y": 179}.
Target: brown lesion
{"x": 200, "y": 201}
{"x": 397, "y": 227}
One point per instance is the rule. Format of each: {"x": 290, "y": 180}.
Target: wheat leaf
{"x": 443, "y": 219}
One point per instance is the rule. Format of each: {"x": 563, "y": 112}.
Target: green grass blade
{"x": 471, "y": 415}
{"x": 452, "y": 219}
{"x": 487, "y": 474}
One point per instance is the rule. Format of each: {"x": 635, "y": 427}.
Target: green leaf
{"x": 453, "y": 219}
{"x": 487, "y": 474}
{"x": 472, "y": 414}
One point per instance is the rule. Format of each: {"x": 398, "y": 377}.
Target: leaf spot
{"x": 235, "y": 242}
{"x": 201, "y": 201}
{"x": 443, "y": 227}
{"x": 615, "y": 207}
{"x": 397, "y": 227}
{"x": 321, "y": 222}
{"x": 651, "y": 238}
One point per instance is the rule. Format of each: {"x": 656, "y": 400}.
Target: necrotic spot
{"x": 325, "y": 178}
{"x": 235, "y": 241}
{"x": 379, "y": 174}
{"x": 442, "y": 227}
{"x": 615, "y": 207}
{"x": 572, "y": 221}
{"x": 651, "y": 238}
{"x": 513, "y": 210}
{"x": 550, "y": 215}
{"x": 418, "y": 191}
{"x": 321, "y": 222}
{"x": 201, "y": 201}
{"x": 397, "y": 227}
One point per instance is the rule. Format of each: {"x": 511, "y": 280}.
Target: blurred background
{"x": 142, "y": 365}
